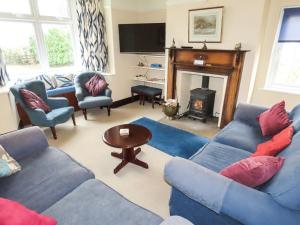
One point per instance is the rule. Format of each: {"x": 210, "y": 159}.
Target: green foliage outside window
{"x": 59, "y": 48}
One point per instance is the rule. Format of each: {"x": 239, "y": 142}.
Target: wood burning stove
{"x": 202, "y": 101}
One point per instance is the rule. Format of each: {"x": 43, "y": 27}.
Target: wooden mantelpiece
{"x": 220, "y": 62}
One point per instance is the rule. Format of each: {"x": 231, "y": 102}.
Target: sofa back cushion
{"x": 295, "y": 117}
{"x": 285, "y": 185}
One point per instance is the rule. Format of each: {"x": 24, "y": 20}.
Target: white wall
{"x": 242, "y": 21}
{"x": 260, "y": 95}
{"x": 7, "y": 112}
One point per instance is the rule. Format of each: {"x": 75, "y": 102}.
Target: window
{"x": 284, "y": 70}
{"x": 37, "y": 36}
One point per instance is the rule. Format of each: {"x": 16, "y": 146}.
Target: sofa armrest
{"x": 58, "y": 102}
{"x": 197, "y": 182}
{"x": 108, "y": 92}
{"x": 224, "y": 196}
{"x": 22, "y": 143}
{"x": 248, "y": 113}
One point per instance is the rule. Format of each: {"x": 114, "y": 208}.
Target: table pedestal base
{"x": 128, "y": 155}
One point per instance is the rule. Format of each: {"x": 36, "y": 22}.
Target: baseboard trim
{"x": 124, "y": 101}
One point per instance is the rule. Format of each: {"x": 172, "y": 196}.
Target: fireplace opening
{"x": 202, "y": 100}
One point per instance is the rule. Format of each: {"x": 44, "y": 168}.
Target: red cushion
{"x": 96, "y": 85}
{"x": 274, "y": 120}
{"x": 253, "y": 171}
{"x": 13, "y": 213}
{"x": 279, "y": 142}
{"x": 33, "y": 101}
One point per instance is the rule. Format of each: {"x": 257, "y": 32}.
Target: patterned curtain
{"x": 92, "y": 34}
{"x": 3, "y": 73}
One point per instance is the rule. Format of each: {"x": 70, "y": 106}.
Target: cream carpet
{"x": 145, "y": 187}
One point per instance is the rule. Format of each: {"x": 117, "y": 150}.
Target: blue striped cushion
{"x": 64, "y": 80}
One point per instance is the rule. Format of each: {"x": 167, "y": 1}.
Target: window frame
{"x": 37, "y": 21}
{"x": 269, "y": 83}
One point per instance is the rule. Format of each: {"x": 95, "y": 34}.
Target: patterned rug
{"x": 171, "y": 140}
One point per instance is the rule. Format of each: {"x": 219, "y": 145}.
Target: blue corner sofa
{"x": 203, "y": 196}
{"x": 52, "y": 183}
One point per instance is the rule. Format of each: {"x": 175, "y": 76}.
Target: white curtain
{"x": 3, "y": 72}
{"x": 92, "y": 34}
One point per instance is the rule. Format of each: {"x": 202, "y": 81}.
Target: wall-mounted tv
{"x": 142, "y": 38}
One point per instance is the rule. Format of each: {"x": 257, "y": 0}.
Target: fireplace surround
{"x": 225, "y": 63}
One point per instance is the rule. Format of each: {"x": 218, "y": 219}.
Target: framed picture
{"x": 205, "y": 25}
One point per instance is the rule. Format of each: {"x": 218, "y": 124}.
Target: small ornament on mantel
{"x": 238, "y": 46}
{"x": 173, "y": 44}
{"x": 204, "y": 45}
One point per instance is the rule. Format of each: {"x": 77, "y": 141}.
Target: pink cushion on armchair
{"x": 96, "y": 85}
{"x": 253, "y": 171}
{"x": 274, "y": 120}
{"x": 34, "y": 101}
{"x": 13, "y": 213}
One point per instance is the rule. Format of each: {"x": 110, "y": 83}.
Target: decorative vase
{"x": 170, "y": 110}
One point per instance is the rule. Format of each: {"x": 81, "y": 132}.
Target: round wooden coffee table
{"x": 138, "y": 136}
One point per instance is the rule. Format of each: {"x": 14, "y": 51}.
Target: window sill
{"x": 282, "y": 90}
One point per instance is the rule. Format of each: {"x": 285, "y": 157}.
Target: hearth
{"x": 202, "y": 101}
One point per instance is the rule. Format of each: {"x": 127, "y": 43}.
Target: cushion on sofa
{"x": 64, "y": 80}
{"x": 44, "y": 179}
{"x": 94, "y": 203}
{"x": 33, "y": 101}
{"x": 253, "y": 171}
{"x": 48, "y": 80}
{"x": 13, "y": 213}
{"x": 277, "y": 144}
{"x": 240, "y": 135}
{"x": 285, "y": 185}
{"x": 274, "y": 119}
{"x": 216, "y": 156}
{"x": 8, "y": 165}
{"x": 61, "y": 90}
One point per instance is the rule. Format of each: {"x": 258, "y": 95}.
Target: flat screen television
{"x": 142, "y": 38}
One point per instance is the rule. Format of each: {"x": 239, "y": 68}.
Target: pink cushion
{"x": 13, "y": 213}
{"x": 274, "y": 120}
{"x": 253, "y": 171}
{"x": 33, "y": 101}
{"x": 96, "y": 85}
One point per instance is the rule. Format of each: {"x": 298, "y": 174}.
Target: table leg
{"x": 120, "y": 166}
{"x": 128, "y": 156}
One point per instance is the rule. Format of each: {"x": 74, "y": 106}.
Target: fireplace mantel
{"x": 220, "y": 62}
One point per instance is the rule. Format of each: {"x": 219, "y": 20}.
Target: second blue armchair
{"x": 85, "y": 100}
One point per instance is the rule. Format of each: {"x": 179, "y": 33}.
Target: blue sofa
{"x": 52, "y": 183}
{"x": 202, "y": 195}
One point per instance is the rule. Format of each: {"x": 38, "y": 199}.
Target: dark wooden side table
{"x": 138, "y": 136}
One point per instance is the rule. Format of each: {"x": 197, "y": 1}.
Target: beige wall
{"x": 260, "y": 95}
{"x": 7, "y": 112}
{"x": 242, "y": 21}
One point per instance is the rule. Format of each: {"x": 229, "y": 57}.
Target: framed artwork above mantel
{"x": 205, "y": 25}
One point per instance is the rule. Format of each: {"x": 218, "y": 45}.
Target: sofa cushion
{"x": 94, "y": 203}
{"x": 216, "y": 156}
{"x": 253, "y": 171}
{"x": 274, "y": 119}
{"x": 96, "y": 85}
{"x": 62, "y": 90}
{"x": 295, "y": 117}
{"x": 44, "y": 179}
{"x": 64, "y": 80}
{"x": 240, "y": 135}
{"x": 285, "y": 185}
{"x": 92, "y": 102}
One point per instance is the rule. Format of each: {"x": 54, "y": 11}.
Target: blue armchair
{"x": 85, "y": 100}
{"x": 202, "y": 195}
{"x": 60, "y": 109}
